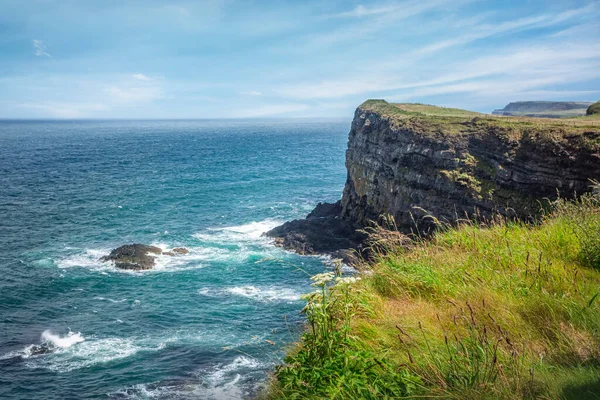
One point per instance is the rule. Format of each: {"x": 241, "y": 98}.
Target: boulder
{"x": 135, "y": 256}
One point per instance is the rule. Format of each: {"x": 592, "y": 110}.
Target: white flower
{"x": 348, "y": 280}
{"x": 312, "y": 296}
{"x": 322, "y": 279}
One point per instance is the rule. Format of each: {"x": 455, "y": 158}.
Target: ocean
{"x": 211, "y": 324}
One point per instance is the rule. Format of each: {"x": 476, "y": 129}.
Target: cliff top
{"x": 545, "y": 109}
{"x": 429, "y": 120}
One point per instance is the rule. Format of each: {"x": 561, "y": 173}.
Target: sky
{"x": 150, "y": 59}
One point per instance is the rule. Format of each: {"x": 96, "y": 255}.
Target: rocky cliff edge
{"x": 424, "y": 165}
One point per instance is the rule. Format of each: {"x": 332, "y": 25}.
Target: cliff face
{"x": 452, "y": 167}
{"x": 416, "y": 162}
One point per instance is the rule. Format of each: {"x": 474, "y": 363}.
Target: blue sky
{"x": 244, "y": 59}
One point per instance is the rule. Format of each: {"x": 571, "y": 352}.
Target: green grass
{"x": 427, "y": 120}
{"x": 502, "y": 311}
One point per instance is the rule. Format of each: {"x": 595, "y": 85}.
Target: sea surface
{"x": 208, "y": 325}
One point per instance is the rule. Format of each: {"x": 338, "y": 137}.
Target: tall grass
{"x": 497, "y": 311}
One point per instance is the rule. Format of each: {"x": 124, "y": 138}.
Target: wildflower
{"x": 312, "y": 296}
{"x": 322, "y": 279}
{"x": 347, "y": 280}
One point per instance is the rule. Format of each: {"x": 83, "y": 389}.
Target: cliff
{"x": 594, "y": 109}
{"x": 544, "y": 109}
{"x": 422, "y": 163}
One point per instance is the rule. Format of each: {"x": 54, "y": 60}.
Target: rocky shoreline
{"x": 323, "y": 231}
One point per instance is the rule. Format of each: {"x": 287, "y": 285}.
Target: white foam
{"x": 68, "y": 357}
{"x": 24, "y": 353}
{"x": 250, "y": 232}
{"x": 265, "y": 294}
{"x": 89, "y": 258}
{"x": 108, "y": 299}
{"x": 62, "y": 341}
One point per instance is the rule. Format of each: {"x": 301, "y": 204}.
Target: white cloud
{"x": 487, "y": 30}
{"x": 251, "y": 93}
{"x": 39, "y": 48}
{"x": 141, "y": 77}
{"x": 404, "y": 9}
{"x": 542, "y": 65}
{"x": 362, "y": 11}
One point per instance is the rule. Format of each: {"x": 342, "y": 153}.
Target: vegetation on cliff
{"x": 594, "y": 109}
{"x": 453, "y": 121}
{"x": 544, "y": 109}
{"x": 503, "y": 310}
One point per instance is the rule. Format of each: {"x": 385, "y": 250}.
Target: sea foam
{"x": 62, "y": 341}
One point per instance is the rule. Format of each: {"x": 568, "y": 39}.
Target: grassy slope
{"x": 507, "y": 311}
{"x": 502, "y": 312}
{"x": 460, "y": 121}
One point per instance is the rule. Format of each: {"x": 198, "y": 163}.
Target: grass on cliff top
{"x": 504, "y": 311}
{"x": 428, "y": 119}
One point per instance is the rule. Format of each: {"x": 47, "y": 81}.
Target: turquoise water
{"x": 194, "y": 327}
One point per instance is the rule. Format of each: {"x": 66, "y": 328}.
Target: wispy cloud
{"x": 398, "y": 9}
{"x": 487, "y": 30}
{"x": 142, "y": 77}
{"x": 39, "y": 48}
{"x": 251, "y": 93}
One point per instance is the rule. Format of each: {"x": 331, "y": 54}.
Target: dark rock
{"x": 322, "y": 232}
{"x": 180, "y": 250}
{"x": 133, "y": 256}
{"x": 177, "y": 251}
{"x": 36, "y": 349}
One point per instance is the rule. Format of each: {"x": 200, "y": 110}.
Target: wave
{"x": 90, "y": 352}
{"x": 250, "y": 232}
{"x": 107, "y": 299}
{"x": 90, "y": 259}
{"x": 268, "y": 294}
{"x": 62, "y": 341}
{"x": 231, "y": 244}
{"x": 232, "y": 380}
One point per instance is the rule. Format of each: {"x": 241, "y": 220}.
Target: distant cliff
{"x": 544, "y": 109}
{"x": 423, "y": 163}
{"x": 594, "y": 109}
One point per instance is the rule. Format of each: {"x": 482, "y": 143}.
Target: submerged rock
{"x": 135, "y": 256}
{"x": 180, "y": 250}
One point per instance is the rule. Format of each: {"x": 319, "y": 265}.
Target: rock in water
{"x": 180, "y": 250}
{"x": 177, "y": 251}
{"x": 135, "y": 256}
